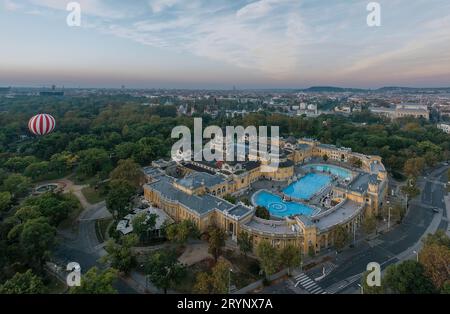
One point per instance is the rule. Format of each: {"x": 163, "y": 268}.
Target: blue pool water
{"x": 337, "y": 171}
{"x": 307, "y": 186}
{"x": 278, "y": 207}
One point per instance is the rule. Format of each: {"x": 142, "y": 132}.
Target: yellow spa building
{"x": 199, "y": 193}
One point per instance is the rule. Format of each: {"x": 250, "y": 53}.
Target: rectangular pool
{"x": 307, "y": 186}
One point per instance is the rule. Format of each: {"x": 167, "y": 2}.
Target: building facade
{"x": 199, "y": 195}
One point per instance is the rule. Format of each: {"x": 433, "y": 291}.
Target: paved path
{"x": 83, "y": 246}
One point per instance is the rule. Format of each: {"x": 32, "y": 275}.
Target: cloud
{"x": 219, "y": 32}
{"x": 292, "y": 40}
{"x": 97, "y": 8}
{"x": 256, "y": 9}
{"x": 158, "y": 6}
{"x": 10, "y": 5}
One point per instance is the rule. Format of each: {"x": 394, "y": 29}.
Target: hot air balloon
{"x": 41, "y": 124}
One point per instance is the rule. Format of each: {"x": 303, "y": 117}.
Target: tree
{"x": 203, "y": 283}
{"x": 414, "y": 166}
{"x": 143, "y": 223}
{"x": 407, "y": 278}
{"x": 55, "y": 207}
{"x": 435, "y": 258}
{"x": 37, "y": 170}
{"x": 36, "y": 239}
{"x": 311, "y": 250}
{"x": 230, "y": 198}
{"x": 355, "y": 162}
{"x": 128, "y": 170}
{"x": 437, "y": 238}
{"x": 5, "y": 201}
{"x": 93, "y": 161}
{"x": 18, "y": 163}
{"x": 410, "y": 188}
{"x": 23, "y": 283}
{"x": 119, "y": 196}
{"x": 164, "y": 270}
{"x": 369, "y": 223}
{"x": 96, "y": 281}
{"x": 27, "y": 212}
{"x": 269, "y": 257}
{"x": 245, "y": 242}
{"x": 262, "y": 212}
{"x": 17, "y": 185}
{"x": 290, "y": 257}
{"x": 217, "y": 282}
{"x": 120, "y": 255}
{"x": 216, "y": 241}
{"x": 341, "y": 237}
{"x": 325, "y": 157}
{"x": 370, "y": 289}
{"x": 180, "y": 232}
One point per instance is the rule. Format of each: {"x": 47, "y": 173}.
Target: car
{"x": 435, "y": 210}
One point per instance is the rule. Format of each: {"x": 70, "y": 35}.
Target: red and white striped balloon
{"x": 41, "y": 124}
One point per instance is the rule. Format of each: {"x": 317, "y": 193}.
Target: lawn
{"x": 91, "y": 195}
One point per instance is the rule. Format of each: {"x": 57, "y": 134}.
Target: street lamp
{"x": 230, "y": 270}
{"x": 417, "y": 255}
{"x": 389, "y": 218}
{"x": 362, "y": 289}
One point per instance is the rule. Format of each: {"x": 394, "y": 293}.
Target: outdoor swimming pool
{"x": 307, "y": 186}
{"x": 278, "y": 207}
{"x": 337, "y": 171}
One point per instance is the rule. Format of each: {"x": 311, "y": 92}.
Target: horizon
{"x": 233, "y": 88}
{"x": 250, "y": 44}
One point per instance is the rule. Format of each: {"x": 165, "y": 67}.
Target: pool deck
{"x": 278, "y": 227}
{"x": 324, "y": 218}
{"x": 340, "y": 215}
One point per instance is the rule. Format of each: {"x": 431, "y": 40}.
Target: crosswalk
{"x": 308, "y": 284}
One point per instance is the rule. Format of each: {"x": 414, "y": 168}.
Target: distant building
{"x": 402, "y": 111}
{"x": 52, "y": 92}
{"x": 343, "y": 109}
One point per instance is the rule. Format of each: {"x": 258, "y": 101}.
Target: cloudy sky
{"x": 221, "y": 43}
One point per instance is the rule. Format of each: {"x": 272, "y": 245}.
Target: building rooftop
{"x": 339, "y": 215}
{"x": 360, "y": 183}
{"x": 271, "y": 226}
{"x": 200, "y": 204}
{"x": 197, "y": 179}
{"x": 152, "y": 172}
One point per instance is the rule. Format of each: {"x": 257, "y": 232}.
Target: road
{"x": 82, "y": 246}
{"x": 391, "y": 247}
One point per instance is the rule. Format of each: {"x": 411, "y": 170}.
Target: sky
{"x": 225, "y": 43}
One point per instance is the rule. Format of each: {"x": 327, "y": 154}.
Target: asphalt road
{"x": 83, "y": 246}
{"x": 386, "y": 248}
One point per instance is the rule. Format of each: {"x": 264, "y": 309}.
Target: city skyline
{"x": 220, "y": 44}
